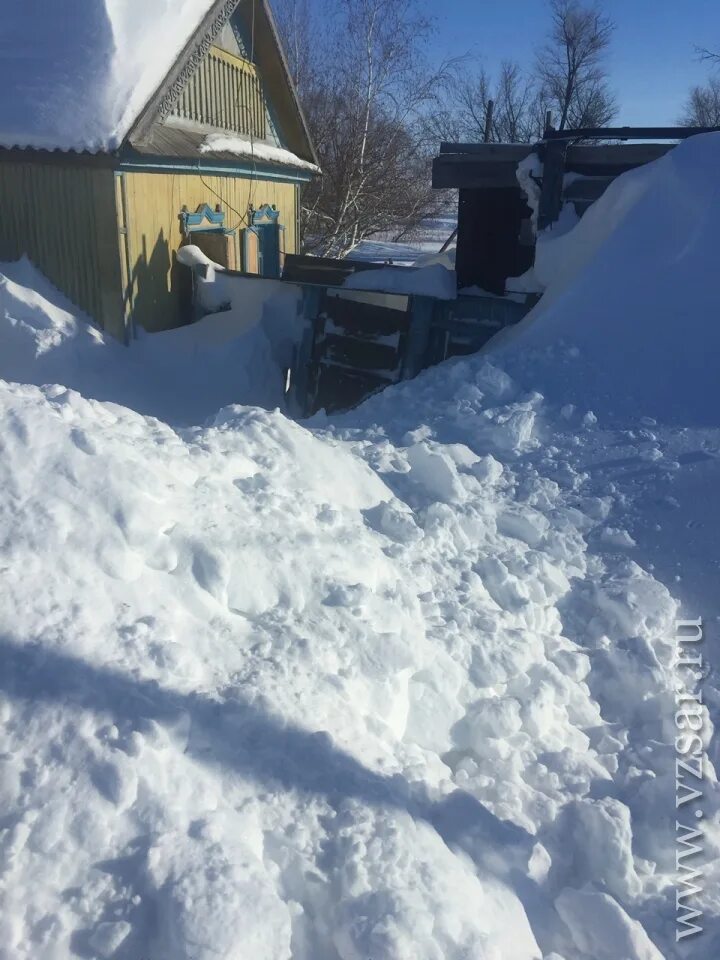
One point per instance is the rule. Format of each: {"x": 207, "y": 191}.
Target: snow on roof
{"x": 254, "y": 149}
{"x": 76, "y": 75}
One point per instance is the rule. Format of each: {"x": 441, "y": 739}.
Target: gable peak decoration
{"x": 173, "y": 92}
{"x": 161, "y": 105}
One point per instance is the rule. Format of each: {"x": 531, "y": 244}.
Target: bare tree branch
{"x": 704, "y": 54}
{"x": 570, "y": 67}
{"x": 363, "y": 92}
{"x": 702, "y": 108}
{"x": 459, "y": 109}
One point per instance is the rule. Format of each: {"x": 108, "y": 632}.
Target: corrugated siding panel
{"x": 155, "y": 200}
{"x": 63, "y": 219}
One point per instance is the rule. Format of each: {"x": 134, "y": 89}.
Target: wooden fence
{"x": 357, "y": 342}
{"x": 354, "y": 347}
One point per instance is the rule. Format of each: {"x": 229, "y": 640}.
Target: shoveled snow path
{"x": 658, "y": 484}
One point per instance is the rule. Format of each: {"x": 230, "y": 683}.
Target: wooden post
{"x": 488, "y": 121}
{"x": 551, "y": 196}
{"x": 418, "y": 337}
{"x": 302, "y": 388}
{"x": 449, "y": 240}
{"x": 548, "y": 121}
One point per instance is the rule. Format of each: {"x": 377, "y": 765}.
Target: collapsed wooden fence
{"x": 357, "y": 342}
{"x": 354, "y": 346}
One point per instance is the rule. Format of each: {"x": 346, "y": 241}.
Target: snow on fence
{"x": 356, "y": 330}
{"x": 357, "y": 342}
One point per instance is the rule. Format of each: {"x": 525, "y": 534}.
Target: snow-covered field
{"x": 396, "y": 685}
{"x": 426, "y": 239}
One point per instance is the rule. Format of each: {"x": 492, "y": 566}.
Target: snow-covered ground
{"x": 395, "y": 685}
{"x": 426, "y": 239}
{"x": 180, "y": 376}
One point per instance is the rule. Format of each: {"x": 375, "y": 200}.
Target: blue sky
{"x": 652, "y": 61}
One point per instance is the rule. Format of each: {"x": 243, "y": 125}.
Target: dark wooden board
{"x": 488, "y": 249}
{"x": 326, "y": 271}
{"x": 364, "y": 318}
{"x": 360, "y": 354}
{"x": 338, "y": 389}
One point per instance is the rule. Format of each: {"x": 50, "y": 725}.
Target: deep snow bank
{"x": 181, "y": 376}
{"x": 249, "y": 708}
{"x": 632, "y": 292}
{"x": 174, "y": 613}
{"x": 394, "y": 685}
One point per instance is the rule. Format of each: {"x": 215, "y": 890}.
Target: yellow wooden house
{"x": 181, "y": 125}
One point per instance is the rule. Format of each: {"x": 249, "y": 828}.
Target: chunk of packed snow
{"x": 446, "y": 258}
{"x": 529, "y": 174}
{"x": 192, "y": 256}
{"x": 601, "y": 929}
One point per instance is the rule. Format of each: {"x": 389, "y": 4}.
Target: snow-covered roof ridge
{"x": 87, "y": 92}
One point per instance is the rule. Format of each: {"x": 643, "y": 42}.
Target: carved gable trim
{"x": 172, "y": 93}
{"x": 197, "y": 49}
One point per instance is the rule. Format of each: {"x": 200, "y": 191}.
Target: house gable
{"x": 233, "y": 80}
{"x": 230, "y": 40}
{"x": 225, "y": 94}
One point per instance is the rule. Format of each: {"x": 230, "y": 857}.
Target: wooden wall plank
{"x": 225, "y": 92}
{"x": 62, "y": 217}
{"x": 154, "y": 204}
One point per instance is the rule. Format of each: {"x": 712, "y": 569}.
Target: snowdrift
{"x": 182, "y": 376}
{"x": 396, "y": 685}
{"x": 251, "y": 709}
{"x": 631, "y": 290}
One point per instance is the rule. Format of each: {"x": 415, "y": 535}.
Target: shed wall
{"x": 489, "y": 247}
{"x": 160, "y": 286}
{"x": 63, "y": 218}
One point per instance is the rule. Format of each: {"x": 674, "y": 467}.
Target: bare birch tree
{"x": 363, "y": 88}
